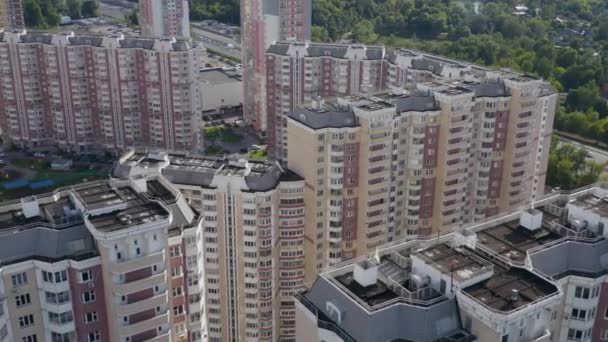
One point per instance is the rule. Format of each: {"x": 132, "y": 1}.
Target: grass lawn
{"x": 230, "y": 137}
{"x": 34, "y": 164}
{"x": 226, "y": 134}
{"x": 63, "y": 178}
{"x": 258, "y": 154}
{"x": 213, "y": 150}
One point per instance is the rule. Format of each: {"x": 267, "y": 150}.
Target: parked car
{"x": 39, "y": 155}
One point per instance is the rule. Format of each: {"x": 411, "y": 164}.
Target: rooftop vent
{"x": 366, "y": 273}
{"x": 514, "y": 295}
{"x": 30, "y": 207}
{"x": 318, "y": 103}
{"x": 531, "y": 219}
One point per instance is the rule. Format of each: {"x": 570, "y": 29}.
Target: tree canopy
{"x": 47, "y": 13}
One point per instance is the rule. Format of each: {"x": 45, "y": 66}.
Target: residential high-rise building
{"x": 264, "y": 22}
{"x": 11, "y": 14}
{"x": 88, "y": 91}
{"x": 252, "y": 233}
{"x": 298, "y": 73}
{"x": 395, "y": 166}
{"x": 536, "y": 274}
{"x": 101, "y": 261}
{"x": 164, "y": 18}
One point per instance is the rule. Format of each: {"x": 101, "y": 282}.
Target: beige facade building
{"x": 252, "y": 235}
{"x": 531, "y": 275}
{"x": 393, "y": 166}
{"x": 164, "y": 18}
{"x": 11, "y": 14}
{"x": 87, "y": 91}
{"x": 100, "y": 261}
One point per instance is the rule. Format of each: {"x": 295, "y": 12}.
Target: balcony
{"x": 166, "y": 337}
{"x": 126, "y": 288}
{"x": 142, "y": 305}
{"x": 148, "y": 324}
{"x": 138, "y": 263}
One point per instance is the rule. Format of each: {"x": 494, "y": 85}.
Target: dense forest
{"x": 226, "y": 11}
{"x": 47, "y": 13}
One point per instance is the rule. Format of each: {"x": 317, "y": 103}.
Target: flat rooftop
{"x": 138, "y": 211}
{"x": 220, "y": 75}
{"x": 133, "y": 209}
{"x": 375, "y": 294}
{"x": 375, "y": 105}
{"x": 103, "y": 195}
{"x": 592, "y": 203}
{"x": 510, "y": 289}
{"x": 460, "y": 261}
{"x": 59, "y": 212}
{"x": 513, "y": 241}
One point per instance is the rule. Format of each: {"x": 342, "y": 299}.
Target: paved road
{"x": 217, "y": 42}
{"x": 594, "y": 153}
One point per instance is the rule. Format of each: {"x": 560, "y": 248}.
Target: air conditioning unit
{"x": 91, "y": 285}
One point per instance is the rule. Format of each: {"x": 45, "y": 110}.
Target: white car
{"x": 39, "y": 155}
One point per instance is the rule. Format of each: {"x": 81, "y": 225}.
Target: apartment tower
{"x": 11, "y": 14}
{"x": 164, "y": 18}
{"x": 264, "y": 22}
{"x": 394, "y": 166}
{"x": 252, "y": 232}
{"x": 88, "y": 91}
{"x": 100, "y": 261}
{"x": 299, "y": 72}
{"x": 534, "y": 274}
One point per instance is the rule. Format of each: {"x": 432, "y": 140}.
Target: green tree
{"x": 583, "y": 97}
{"x": 50, "y": 11}
{"x": 364, "y": 32}
{"x": 33, "y": 14}
{"x": 73, "y": 8}
{"x": 90, "y": 8}
{"x": 319, "y": 34}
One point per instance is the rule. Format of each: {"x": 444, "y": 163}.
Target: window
{"x": 578, "y": 314}
{"x": 176, "y": 271}
{"x": 94, "y": 337}
{"x": 575, "y": 335}
{"x": 604, "y": 335}
{"x": 56, "y": 277}
{"x": 57, "y": 298}
{"x": 30, "y": 338}
{"x": 87, "y": 297}
{"x": 57, "y": 337}
{"x": 90, "y": 317}
{"x": 26, "y": 321}
{"x": 582, "y": 292}
{"x": 178, "y": 310}
{"x": 174, "y": 251}
{"x": 85, "y": 276}
{"x": 61, "y": 318}
{"x": 177, "y": 291}
{"x": 22, "y": 300}
{"x": 19, "y": 279}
